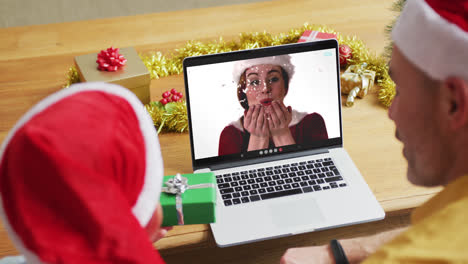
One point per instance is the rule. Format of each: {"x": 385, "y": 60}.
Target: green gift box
{"x": 191, "y": 197}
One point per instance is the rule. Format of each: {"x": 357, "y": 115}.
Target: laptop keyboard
{"x": 278, "y": 181}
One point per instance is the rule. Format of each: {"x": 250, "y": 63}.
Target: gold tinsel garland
{"x": 170, "y": 117}
{"x": 72, "y": 76}
{"x": 173, "y": 116}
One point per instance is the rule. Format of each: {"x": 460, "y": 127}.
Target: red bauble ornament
{"x": 171, "y": 96}
{"x": 345, "y": 54}
{"x": 110, "y": 60}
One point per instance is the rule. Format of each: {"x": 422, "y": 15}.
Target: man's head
{"x": 430, "y": 109}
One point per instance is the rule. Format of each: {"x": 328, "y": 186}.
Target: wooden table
{"x": 35, "y": 59}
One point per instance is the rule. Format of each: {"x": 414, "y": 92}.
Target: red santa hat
{"x": 282, "y": 60}
{"x": 80, "y": 177}
{"x": 433, "y": 35}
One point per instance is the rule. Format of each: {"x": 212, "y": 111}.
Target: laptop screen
{"x": 263, "y": 102}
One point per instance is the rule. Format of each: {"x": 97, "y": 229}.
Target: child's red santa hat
{"x": 80, "y": 177}
{"x": 433, "y": 35}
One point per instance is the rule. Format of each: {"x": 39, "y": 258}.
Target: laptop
{"x": 274, "y": 180}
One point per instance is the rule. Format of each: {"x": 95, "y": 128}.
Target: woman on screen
{"x": 263, "y": 83}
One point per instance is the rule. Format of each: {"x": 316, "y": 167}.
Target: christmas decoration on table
{"x": 72, "y": 76}
{"x": 387, "y": 86}
{"x": 396, "y": 7}
{"x": 387, "y": 90}
{"x": 124, "y": 68}
{"x": 312, "y": 35}
{"x": 161, "y": 65}
{"x": 110, "y": 60}
{"x": 170, "y": 113}
{"x": 189, "y": 199}
{"x": 345, "y": 54}
{"x": 356, "y": 81}
{"x": 171, "y": 96}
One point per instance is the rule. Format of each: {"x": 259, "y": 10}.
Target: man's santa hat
{"x": 80, "y": 177}
{"x": 433, "y": 35}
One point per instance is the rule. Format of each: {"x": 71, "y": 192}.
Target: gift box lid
{"x": 312, "y": 35}
{"x": 133, "y": 74}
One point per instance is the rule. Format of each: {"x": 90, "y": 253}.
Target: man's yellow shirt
{"x": 439, "y": 231}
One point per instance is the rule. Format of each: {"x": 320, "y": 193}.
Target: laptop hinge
{"x": 266, "y": 159}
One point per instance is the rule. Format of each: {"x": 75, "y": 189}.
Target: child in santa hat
{"x": 80, "y": 178}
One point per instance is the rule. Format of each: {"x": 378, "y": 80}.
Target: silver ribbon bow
{"x": 178, "y": 185}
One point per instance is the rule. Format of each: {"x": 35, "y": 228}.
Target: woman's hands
{"x": 255, "y": 122}
{"x": 279, "y": 117}
{"x": 265, "y": 121}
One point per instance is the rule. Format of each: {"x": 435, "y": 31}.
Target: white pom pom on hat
{"x": 281, "y": 60}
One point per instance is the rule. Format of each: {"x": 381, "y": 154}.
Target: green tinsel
{"x": 387, "y": 86}
{"x": 396, "y": 7}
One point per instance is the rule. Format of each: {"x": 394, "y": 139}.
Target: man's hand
{"x": 306, "y": 255}
{"x": 356, "y": 249}
{"x": 153, "y": 228}
{"x": 160, "y": 233}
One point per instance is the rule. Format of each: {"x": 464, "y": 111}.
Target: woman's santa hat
{"x": 281, "y": 60}
{"x": 433, "y": 35}
{"x": 80, "y": 177}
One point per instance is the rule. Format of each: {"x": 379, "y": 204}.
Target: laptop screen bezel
{"x": 251, "y": 54}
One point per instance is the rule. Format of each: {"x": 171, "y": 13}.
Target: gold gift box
{"x": 133, "y": 76}
{"x": 356, "y": 81}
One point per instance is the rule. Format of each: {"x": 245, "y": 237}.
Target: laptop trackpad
{"x": 301, "y": 212}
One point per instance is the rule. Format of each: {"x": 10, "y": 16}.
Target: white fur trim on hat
{"x": 433, "y": 44}
{"x": 282, "y": 60}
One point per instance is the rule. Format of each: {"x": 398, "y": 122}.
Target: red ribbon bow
{"x": 110, "y": 60}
